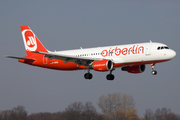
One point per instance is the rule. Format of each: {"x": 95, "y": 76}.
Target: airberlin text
{"x": 136, "y": 49}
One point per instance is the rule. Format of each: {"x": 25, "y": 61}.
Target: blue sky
{"x": 63, "y": 25}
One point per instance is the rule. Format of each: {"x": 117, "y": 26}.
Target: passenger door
{"x": 148, "y": 49}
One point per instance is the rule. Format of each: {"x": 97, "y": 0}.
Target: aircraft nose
{"x": 172, "y": 54}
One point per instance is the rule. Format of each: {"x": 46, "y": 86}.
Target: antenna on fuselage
{"x": 81, "y": 48}
{"x": 150, "y": 41}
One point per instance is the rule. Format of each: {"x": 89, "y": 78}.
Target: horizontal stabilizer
{"x": 20, "y": 58}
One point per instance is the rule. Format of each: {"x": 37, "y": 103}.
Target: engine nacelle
{"x": 102, "y": 65}
{"x": 134, "y": 69}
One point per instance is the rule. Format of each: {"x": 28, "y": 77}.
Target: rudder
{"x": 31, "y": 42}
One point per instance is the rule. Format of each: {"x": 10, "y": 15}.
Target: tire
{"x": 154, "y": 72}
{"x": 110, "y": 77}
{"x": 88, "y": 76}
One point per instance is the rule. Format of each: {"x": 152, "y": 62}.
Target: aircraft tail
{"x": 31, "y": 42}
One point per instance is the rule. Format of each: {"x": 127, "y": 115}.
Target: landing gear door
{"x": 148, "y": 49}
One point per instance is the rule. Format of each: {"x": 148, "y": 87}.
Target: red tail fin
{"x": 31, "y": 42}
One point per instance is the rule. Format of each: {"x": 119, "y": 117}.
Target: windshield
{"x": 162, "y": 47}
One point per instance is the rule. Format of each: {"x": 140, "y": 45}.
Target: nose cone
{"x": 172, "y": 54}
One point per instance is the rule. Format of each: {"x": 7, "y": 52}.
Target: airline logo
{"x": 136, "y": 49}
{"x": 29, "y": 40}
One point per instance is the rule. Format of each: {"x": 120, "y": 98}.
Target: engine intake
{"x": 102, "y": 65}
{"x": 134, "y": 69}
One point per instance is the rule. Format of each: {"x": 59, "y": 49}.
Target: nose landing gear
{"x": 154, "y": 72}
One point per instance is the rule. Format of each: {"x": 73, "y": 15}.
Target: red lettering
{"x": 134, "y": 49}
{"x": 109, "y": 52}
{"x": 124, "y": 51}
{"x": 130, "y": 49}
{"x": 112, "y": 51}
{"x": 104, "y": 53}
{"x": 117, "y": 50}
{"x": 142, "y": 48}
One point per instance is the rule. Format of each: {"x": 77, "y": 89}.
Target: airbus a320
{"x": 130, "y": 57}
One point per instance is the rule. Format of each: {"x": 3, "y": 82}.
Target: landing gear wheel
{"x": 154, "y": 72}
{"x": 110, "y": 77}
{"x": 88, "y": 76}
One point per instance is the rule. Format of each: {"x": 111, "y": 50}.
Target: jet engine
{"x": 102, "y": 65}
{"x": 134, "y": 69}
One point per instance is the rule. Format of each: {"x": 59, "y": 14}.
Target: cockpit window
{"x": 166, "y": 47}
{"x": 162, "y": 47}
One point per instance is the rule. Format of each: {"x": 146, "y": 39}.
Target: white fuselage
{"x": 131, "y": 53}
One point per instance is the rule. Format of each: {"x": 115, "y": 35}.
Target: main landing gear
{"x": 110, "y": 76}
{"x": 154, "y": 72}
{"x": 89, "y": 76}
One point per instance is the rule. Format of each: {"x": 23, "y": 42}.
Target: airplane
{"x": 130, "y": 57}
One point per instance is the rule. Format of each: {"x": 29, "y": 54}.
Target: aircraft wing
{"x": 85, "y": 61}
